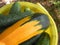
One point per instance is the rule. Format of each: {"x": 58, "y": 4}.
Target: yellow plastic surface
{"x": 52, "y": 30}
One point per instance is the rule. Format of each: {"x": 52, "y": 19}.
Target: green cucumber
{"x": 14, "y": 15}
{"x": 15, "y": 9}
{"x": 43, "y": 40}
{"x": 8, "y": 20}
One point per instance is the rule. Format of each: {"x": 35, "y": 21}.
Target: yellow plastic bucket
{"x": 52, "y": 30}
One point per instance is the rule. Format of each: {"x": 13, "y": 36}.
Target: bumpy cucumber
{"x": 15, "y": 9}
{"x": 8, "y": 20}
{"x": 43, "y": 40}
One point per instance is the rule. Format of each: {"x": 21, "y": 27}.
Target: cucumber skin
{"x": 15, "y": 9}
{"x": 8, "y": 20}
{"x": 43, "y": 40}
{"x": 14, "y": 15}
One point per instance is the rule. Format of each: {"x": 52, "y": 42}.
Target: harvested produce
{"x": 24, "y": 27}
